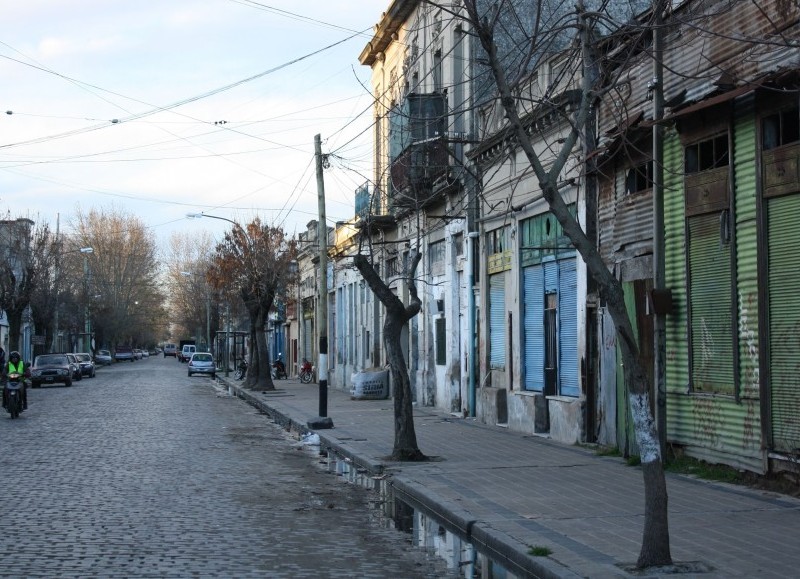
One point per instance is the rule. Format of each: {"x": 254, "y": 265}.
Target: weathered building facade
{"x": 533, "y": 310}
{"x": 730, "y": 190}
{"x": 420, "y": 56}
{"x": 497, "y": 267}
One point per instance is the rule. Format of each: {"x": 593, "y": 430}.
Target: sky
{"x": 159, "y": 108}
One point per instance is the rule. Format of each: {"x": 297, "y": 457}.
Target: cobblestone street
{"x": 144, "y": 472}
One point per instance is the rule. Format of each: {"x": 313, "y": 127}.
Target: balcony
{"x": 418, "y": 172}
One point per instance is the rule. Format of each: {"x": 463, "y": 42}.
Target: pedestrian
{"x": 2, "y": 357}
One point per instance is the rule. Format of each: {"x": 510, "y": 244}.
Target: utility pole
{"x": 86, "y": 326}
{"x": 53, "y": 345}
{"x": 322, "y": 421}
{"x": 659, "y": 277}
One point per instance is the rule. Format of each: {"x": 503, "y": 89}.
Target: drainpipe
{"x": 473, "y": 367}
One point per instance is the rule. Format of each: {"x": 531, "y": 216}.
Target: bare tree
{"x": 192, "y": 304}
{"x": 255, "y": 260}
{"x": 485, "y": 21}
{"x": 24, "y": 269}
{"x": 123, "y": 270}
{"x": 397, "y": 316}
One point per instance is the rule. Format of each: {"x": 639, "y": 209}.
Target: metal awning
{"x": 715, "y": 100}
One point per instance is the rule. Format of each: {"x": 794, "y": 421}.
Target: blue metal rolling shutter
{"x": 568, "y": 328}
{"x": 550, "y": 277}
{"x": 533, "y": 328}
{"x": 497, "y": 321}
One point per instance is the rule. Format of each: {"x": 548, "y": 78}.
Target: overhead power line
{"x": 155, "y": 109}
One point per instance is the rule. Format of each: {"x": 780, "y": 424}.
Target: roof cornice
{"x": 391, "y": 21}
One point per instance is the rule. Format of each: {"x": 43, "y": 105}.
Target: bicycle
{"x": 306, "y": 372}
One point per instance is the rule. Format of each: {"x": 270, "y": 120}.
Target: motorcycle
{"x": 241, "y": 370}
{"x": 14, "y": 394}
{"x": 278, "y": 370}
{"x": 306, "y": 372}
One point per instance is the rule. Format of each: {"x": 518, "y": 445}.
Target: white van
{"x": 187, "y": 352}
{"x": 170, "y": 350}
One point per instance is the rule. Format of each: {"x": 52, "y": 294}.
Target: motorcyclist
{"x": 280, "y": 368}
{"x": 15, "y": 365}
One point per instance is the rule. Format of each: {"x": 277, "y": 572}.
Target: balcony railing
{"x": 417, "y": 171}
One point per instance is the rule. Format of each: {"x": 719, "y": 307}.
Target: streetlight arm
{"x": 231, "y": 221}
{"x": 201, "y": 215}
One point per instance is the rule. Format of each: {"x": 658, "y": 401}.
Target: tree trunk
{"x": 655, "y": 549}
{"x": 252, "y": 358}
{"x": 405, "y": 437}
{"x": 262, "y": 375}
{"x": 397, "y": 316}
{"x": 14, "y": 330}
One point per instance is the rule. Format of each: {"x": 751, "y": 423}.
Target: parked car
{"x": 137, "y": 354}
{"x": 77, "y": 374}
{"x": 103, "y": 358}
{"x": 202, "y": 363}
{"x": 51, "y": 369}
{"x": 86, "y": 364}
{"x": 187, "y": 352}
{"x": 170, "y": 350}
{"x": 124, "y": 354}
{"x": 145, "y": 353}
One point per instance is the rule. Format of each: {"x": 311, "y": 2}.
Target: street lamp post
{"x": 86, "y": 302}
{"x": 227, "y": 305}
{"x": 85, "y": 251}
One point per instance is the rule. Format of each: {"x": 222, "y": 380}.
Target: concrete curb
{"x": 496, "y": 544}
{"x": 373, "y": 468}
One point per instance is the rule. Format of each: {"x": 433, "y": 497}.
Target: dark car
{"x": 51, "y": 369}
{"x": 124, "y": 354}
{"x": 86, "y": 364}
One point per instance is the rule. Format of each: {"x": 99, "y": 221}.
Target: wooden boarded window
{"x": 780, "y": 137}
{"x": 436, "y": 257}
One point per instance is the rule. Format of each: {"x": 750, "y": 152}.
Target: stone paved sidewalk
{"x": 505, "y": 492}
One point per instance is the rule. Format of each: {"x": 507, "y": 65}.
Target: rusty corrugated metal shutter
{"x": 712, "y": 368}
{"x": 784, "y": 320}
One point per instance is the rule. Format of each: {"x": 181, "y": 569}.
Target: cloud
{"x": 54, "y": 48}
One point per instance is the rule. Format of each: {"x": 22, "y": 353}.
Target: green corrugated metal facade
{"x": 784, "y": 321}
{"x": 725, "y": 427}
